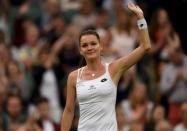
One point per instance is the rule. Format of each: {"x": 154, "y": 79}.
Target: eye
{"x": 93, "y": 43}
{"x": 84, "y": 45}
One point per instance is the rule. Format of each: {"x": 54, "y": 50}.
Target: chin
{"x": 91, "y": 57}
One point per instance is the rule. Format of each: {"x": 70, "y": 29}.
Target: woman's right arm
{"x": 68, "y": 113}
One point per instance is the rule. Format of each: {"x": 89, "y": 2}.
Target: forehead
{"x": 88, "y": 38}
{"x": 13, "y": 100}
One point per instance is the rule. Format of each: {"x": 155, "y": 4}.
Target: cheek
{"x": 81, "y": 52}
{"x": 99, "y": 48}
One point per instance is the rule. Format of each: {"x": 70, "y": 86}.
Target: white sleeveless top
{"x": 97, "y": 99}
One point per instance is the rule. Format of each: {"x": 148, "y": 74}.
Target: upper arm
{"x": 71, "y": 92}
{"x": 55, "y": 49}
{"x": 119, "y": 66}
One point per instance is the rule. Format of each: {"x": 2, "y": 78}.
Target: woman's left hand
{"x": 136, "y": 9}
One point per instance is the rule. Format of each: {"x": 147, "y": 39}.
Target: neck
{"x": 94, "y": 64}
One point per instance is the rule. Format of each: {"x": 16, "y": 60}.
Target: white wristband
{"x": 142, "y": 24}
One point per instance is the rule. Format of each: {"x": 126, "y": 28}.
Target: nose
{"x": 90, "y": 47}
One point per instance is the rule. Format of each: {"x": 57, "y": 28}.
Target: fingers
{"x": 135, "y": 9}
{"x": 130, "y": 5}
{"x": 133, "y": 6}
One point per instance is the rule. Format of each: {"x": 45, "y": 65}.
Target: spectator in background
{"x": 20, "y": 12}
{"x": 122, "y": 36}
{"x": 1, "y": 128}
{"x": 4, "y": 5}
{"x": 18, "y": 39}
{"x": 14, "y": 116}
{"x": 183, "y": 125}
{"x": 113, "y": 6}
{"x": 5, "y": 58}
{"x": 173, "y": 83}
{"x": 50, "y": 9}
{"x": 3, "y": 96}
{"x": 18, "y": 31}
{"x": 48, "y": 74}
{"x": 124, "y": 87}
{"x": 162, "y": 34}
{"x": 70, "y": 5}
{"x": 45, "y": 122}
{"x": 117, "y": 4}
{"x": 136, "y": 126}
{"x": 4, "y": 34}
{"x": 137, "y": 107}
{"x": 31, "y": 122}
{"x": 86, "y": 16}
{"x": 102, "y": 23}
{"x": 157, "y": 115}
{"x": 56, "y": 28}
{"x": 121, "y": 120}
{"x": 163, "y": 125}
{"x": 15, "y": 79}
{"x": 29, "y": 50}
{"x": 69, "y": 56}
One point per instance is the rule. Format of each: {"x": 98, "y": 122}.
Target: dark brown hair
{"x": 89, "y": 32}
{"x": 41, "y": 100}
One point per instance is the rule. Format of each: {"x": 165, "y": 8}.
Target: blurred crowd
{"x": 39, "y": 47}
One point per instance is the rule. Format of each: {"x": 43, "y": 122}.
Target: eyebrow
{"x": 82, "y": 43}
{"x": 88, "y": 42}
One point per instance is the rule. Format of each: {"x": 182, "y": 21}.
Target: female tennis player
{"x": 95, "y": 84}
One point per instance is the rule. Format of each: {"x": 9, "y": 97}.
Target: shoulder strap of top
{"x": 78, "y": 74}
{"x": 106, "y": 65}
{"x": 80, "y": 70}
{"x": 106, "y": 68}
{"x": 108, "y": 73}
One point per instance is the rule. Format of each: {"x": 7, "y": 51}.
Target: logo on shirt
{"x": 104, "y": 79}
{"x": 91, "y": 87}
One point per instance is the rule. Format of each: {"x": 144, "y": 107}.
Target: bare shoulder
{"x": 73, "y": 75}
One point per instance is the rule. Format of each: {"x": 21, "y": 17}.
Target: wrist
{"x": 142, "y": 24}
{"x": 140, "y": 16}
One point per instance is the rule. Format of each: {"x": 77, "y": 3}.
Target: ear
{"x": 101, "y": 46}
{"x": 101, "y": 50}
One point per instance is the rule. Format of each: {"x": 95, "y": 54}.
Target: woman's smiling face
{"x": 90, "y": 47}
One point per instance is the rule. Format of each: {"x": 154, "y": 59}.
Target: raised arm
{"x": 58, "y": 45}
{"x": 68, "y": 113}
{"x": 119, "y": 66}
